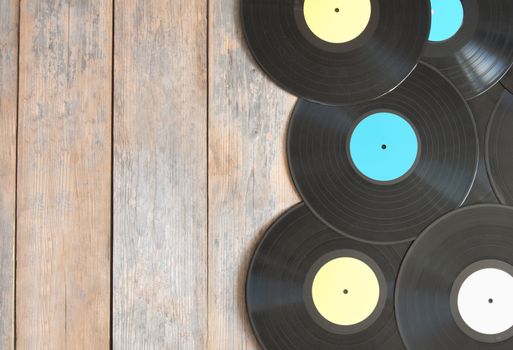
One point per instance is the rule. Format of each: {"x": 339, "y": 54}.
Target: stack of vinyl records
{"x": 401, "y": 147}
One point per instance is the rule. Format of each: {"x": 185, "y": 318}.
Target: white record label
{"x": 485, "y": 301}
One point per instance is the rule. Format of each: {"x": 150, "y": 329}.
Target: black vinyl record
{"x": 481, "y": 51}
{"x": 455, "y": 283}
{"x": 392, "y": 209}
{"x": 499, "y": 147}
{"x": 482, "y": 108}
{"x": 507, "y": 81}
{"x": 279, "y": 289}
{"x": 366, "y": 67}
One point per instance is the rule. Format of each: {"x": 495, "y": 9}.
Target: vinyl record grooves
{"x": 455, "y": 284}
{"x": 481, "y": 51}
{"x": 285, "y": 305}
{"x": 297, "y": 43}
{"x": 507, "y": 81}
{"x": 482, "y": 108}
{"x": 442, "y": 167}
{"x": 499, "y": 146}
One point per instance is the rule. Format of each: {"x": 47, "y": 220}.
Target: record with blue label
{"x": 383, "y": 170}
{"x": 471, "y": 42}
{"x": 455, "y": 284}
{"x": 499, "y": 147}
{"x": 336, "y": 51}
{"x": 309, "y": 287}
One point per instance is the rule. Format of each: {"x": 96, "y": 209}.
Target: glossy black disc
{"x": 397, "y": 211}
{"x": 277, "y": 288}
{"x": 481, "y": 52}
{"x": 427, "y": 308}
{"x": 367, "y": 67}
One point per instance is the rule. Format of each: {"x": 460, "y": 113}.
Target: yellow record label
{"x": 345, "y": 291}
{"x": 337, "y": 21}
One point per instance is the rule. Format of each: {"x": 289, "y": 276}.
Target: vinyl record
{"x": 455, "y": 284}
{"x": 482, "y": 108}
{"x": 499, "y": 147}
{"x": 507, "y": 81}
{"x": 336, "y": 51}
{"x": 382, "y": 171}
{"x": 471, "y": 42}
{"x": 309, "y": 287}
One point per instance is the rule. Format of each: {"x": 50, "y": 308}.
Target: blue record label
{"x": 383, "y": 147}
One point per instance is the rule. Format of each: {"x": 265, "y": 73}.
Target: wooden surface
{"x": 64, "y": 167}
{"x": 8, "y": 115}
{"x": 160, "y": 167}
{"x": 144, "y": 160}
{"x": 249, "y": 184}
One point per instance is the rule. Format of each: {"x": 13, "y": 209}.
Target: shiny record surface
{"x": 338, "y": 191}
{"x": 336, "y": 51}
{"x": 460, "y": 264}
{"x": 303, "y": 272}
{"x": 507, "y": 81}
{"x": 482, "y": 108}
{"x": 499, "y": 147}
{"x": 481, "y": 51}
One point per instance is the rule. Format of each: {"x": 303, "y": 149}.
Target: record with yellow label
{"x": 336, "y": 51}
{"x": 309, "y": 287}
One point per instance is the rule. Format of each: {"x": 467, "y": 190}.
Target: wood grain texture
{"x": 64, "y": 175}
{"x": 249, "y": 184}
{"x": 8, "y": 115}
{"x": 160, "y": 175}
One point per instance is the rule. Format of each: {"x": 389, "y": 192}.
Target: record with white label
{"x": 383, "y": 170}
{"x": 309, "y": 287}
{"x": 455, "y": 285}
{"x": 471, "y": 42}
{"x": 336, "y": 51}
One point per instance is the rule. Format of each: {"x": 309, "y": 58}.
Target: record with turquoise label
{"x": 336, "y": 51}
{"x": 471, "y": 42}
{"x": 383, "y": 170}
{"x": 308, "y": 287}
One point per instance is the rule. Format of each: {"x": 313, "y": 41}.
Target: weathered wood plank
{"x": 249, "y": 184}
{"x": 8, "y": 115}
{"x": 160, "y": 175}
{"x": 64, "y": 175}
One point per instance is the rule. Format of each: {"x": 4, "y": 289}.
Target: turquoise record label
{"x": 446, "y": 19}
{"x": 383, "y": 147}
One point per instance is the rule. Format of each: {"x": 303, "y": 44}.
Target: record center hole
{"x": 383, "y": 146}
{"x": 345, "y": 291}
{"x": 490, "y": 301}
{"x": 337, "y": 10}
